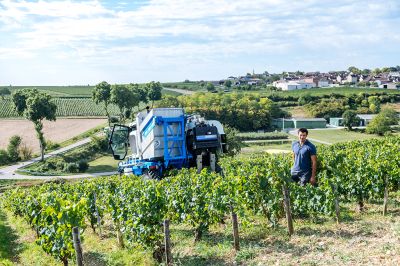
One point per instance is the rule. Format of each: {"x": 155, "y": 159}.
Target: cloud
{"x": 162, "y": 33}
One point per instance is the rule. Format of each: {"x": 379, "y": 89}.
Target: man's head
{"x": 302, "y": 134}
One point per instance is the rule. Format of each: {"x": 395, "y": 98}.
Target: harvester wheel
{"x": 154, "y": 174}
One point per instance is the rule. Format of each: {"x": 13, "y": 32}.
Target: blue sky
{"x": 84, "y": 42}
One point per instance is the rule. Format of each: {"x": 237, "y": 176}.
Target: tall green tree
{"x": 381, "y": 123}
{"x": 153, "y": 91}
{"x": 102, "y": 94}
{"x": 125, "y": 98}
{"x": 35, "y": 106}
{"x": 228, "y": 83}
{"x": 350, "y": 119}
{"x": 354, "y": 70}
{"x": 210, "y": 86}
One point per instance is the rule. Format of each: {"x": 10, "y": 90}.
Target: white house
{"x": 323, "y": 83}
{"x": 352, "y": 78}
{"x": 293, "y": 85}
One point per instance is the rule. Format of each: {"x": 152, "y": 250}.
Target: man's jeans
{"x": 301, "y": 177}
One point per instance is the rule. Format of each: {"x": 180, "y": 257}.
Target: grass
{"x": 338, "y": 135}
{"x": 191, "y": 85}
{"x": 17, "y": 243}
{"x": 103, "y": 164}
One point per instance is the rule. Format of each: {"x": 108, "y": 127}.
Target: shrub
{"x": 83, "y": 165}
{"x": 71, "y": 167}
{"x": 114, "y": 119}
{"x": 99, "y": 143}
{"x": 13, "y": 148}
{"x": 3, "y": 157}
{"x": 25, "y": 151}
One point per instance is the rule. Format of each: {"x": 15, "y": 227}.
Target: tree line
{"x": 126, "y": 97}
{"x": 243, "y": 111}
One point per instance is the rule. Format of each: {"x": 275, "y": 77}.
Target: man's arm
{"x": 313, "y": 179}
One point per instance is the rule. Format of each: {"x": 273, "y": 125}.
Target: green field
{"x": 59, "y": 91}
{"x": 103, "y": 164}
{"x": 66, "y": 107}
{"x": 339, "y": 135}
{"x": 71, "y": 105}
{"x": 192, "y": 85}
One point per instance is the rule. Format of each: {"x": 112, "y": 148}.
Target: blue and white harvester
{"x": 165, "y": 138}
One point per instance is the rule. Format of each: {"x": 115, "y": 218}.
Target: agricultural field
{"x": 191, "y": 85}
{"x": 57, "y": 132}
{"x": 345, "y": 220}
{"x": 59, "y": 91}
{"x": 71, "y": 102}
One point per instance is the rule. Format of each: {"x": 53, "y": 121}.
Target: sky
{"x": 85, "y": 42}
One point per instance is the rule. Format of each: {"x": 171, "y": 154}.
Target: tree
{"x": 366, "y": 71}
{"x": 153, "y": 92}
{"x": 35, "y": 106}
{"x": 354, "y": 70}
{"x": 4, "y": 92}
{"x": 350, "y": 119}
{"x": 390, "y": 115}
{"x": 228, "y": 83}
{"x": 376, "y": 71}
{"x": 374, "y": 104}
{"x": 143, "y": 95}
{"x": 125, "y": 98}
{"x": 210, "y": 86}
{"x": 102, "y": 93}
{"x": 380, "y": 124}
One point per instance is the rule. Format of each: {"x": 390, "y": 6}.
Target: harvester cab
{"x": 164, "y": 138}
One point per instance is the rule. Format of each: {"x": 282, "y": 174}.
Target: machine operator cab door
{"x": 119, "y": 141}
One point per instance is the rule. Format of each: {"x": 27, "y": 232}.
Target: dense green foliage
{"x": 350, "y": 119}
{"x": 240, "y": 110}
{"x": 381, "y": 123}
{"x": 35, "y": 106}
{"x": 354, "y": 171}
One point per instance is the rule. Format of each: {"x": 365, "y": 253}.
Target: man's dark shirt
{"x": 302, "y": 156}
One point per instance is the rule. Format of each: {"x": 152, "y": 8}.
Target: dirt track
{"x": 61, "y": 130}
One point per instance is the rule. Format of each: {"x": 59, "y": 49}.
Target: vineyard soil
{"x": 58, "y": 131}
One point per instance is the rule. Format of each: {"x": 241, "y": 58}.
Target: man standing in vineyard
{"x": 305, "y": 159}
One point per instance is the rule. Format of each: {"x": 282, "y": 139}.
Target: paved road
{"x": 8, "y": 172}
{"x": 186, "y": 92}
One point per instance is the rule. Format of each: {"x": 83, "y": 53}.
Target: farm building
{"x": 299, "y": 122}
{"x": 336, "y": 121}
{"x": 364, "y": 120}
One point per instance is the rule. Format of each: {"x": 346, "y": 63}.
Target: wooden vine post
{"x": 77, "y": 246}
{"x": 385, "y": 197}
{"x": 337, "y": 208}
{"x": 288, "y": 211}
{"x": 167, "y": 237}
{"x": 235, "y": 227}
{"x": 97, "y": 214}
